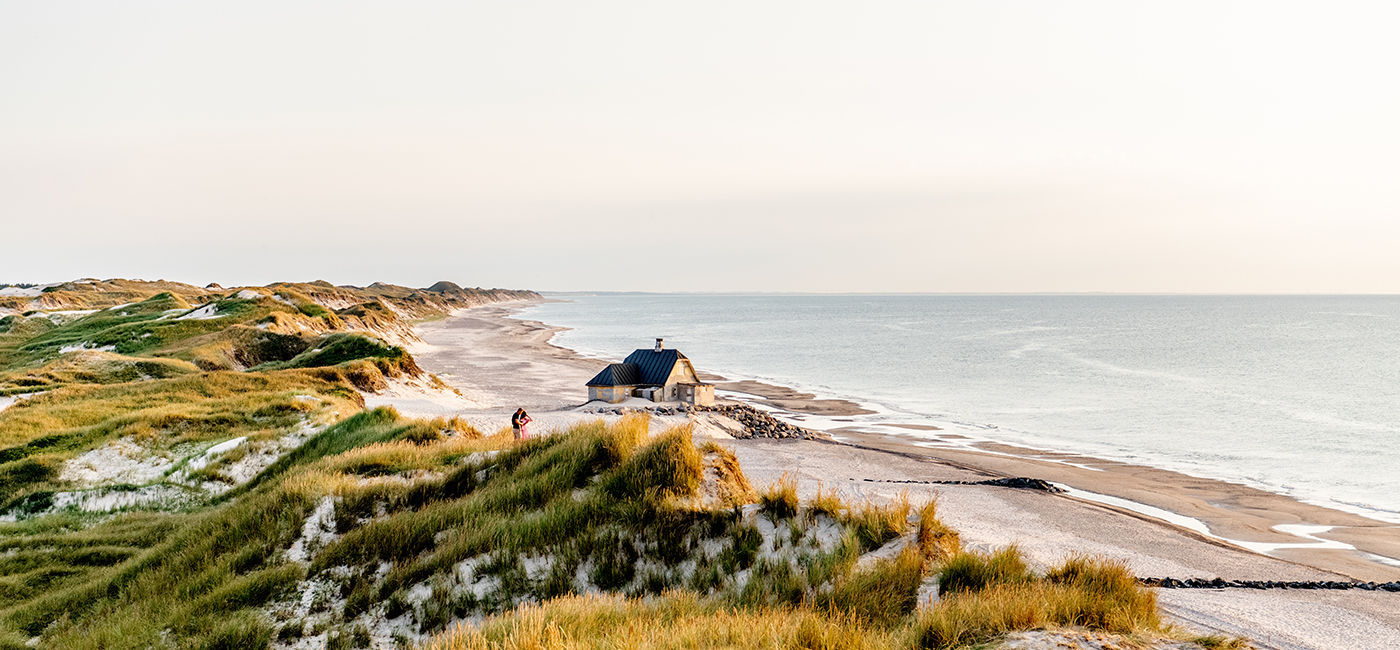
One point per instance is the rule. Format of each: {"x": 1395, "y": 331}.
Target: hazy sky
{"x": 1103, "y": 145}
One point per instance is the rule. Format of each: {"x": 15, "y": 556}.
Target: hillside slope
{"x": 194, "y": 468}
{"x": 157, "y": 395}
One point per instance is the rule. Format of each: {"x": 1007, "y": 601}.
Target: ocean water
{"x": 1295, "y": 394}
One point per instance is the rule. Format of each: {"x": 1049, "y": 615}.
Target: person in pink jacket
{"x": 518, "y": 422}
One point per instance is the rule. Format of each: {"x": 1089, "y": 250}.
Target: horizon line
{"x": 969, "y": 293}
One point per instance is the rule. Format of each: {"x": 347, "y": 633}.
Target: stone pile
{"x": 679, "y": 409}
{"x": 756, "y": 423}
{"x": 759, "y": 424}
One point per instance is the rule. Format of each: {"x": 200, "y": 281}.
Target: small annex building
{"x": 658, "y": 374}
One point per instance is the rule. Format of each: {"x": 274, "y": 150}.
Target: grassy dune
{"x": 874, "y": 607}
{"x": 428, "y": 522}
{"x": 194, "y": 468}
{"x": 169, "y": 371}
{"x": 172, "y": 420}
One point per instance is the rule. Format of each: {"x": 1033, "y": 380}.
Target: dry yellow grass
{"x": 964, "y": 619}
{"x": 827, "y": 502}
{"x": 780, "y": 499}
{"x": 196, "y": 397}
{"x": 877, "y": 524}
{"x": 731, "y": 487}
{"x": 405, "y": 455}
{"x": 995, "y": 594}
{"x": 674, "y": 620}
{"x": 631, "y": 432}
{"x": 936, "y": 540}
{"x": 1103, "y": 602}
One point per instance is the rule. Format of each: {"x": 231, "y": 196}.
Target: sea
{"x": 1298, "y": 395}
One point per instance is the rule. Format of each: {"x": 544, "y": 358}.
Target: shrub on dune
{"x": 877, "y": 524}
{"x": 974, "y": 571}
{"x": 884, "y": 593}
{"x": 779, "y": 501}
{"x": 936, "y": 540}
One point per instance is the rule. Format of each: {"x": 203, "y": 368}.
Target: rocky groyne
{"x": 1220, "y": 583}
{"x": 1018, "y": 482}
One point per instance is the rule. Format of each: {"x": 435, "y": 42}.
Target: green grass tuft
{"x": 884, "y": 593}
{"x": 974, "y": 571}
{"x": 779, "y": 501}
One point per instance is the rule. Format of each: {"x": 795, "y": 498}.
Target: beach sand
{"x": 501, "y": 362}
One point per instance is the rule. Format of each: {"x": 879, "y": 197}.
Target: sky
{"x": 929, "y": 146}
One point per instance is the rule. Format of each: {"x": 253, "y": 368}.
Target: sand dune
{"x": 503, "y": 362}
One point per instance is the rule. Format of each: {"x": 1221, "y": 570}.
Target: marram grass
{"x": 207, "y": 579}
{"x": 655, "y": 521}
{"x": 673, "y": 620}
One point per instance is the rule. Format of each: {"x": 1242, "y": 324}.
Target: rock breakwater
{"x": 756, "y": 423}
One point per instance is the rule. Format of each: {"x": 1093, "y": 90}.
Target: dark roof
{"x": 654, "y": 367}
{"x": 617, "y": 374}
{"x": 641, "y": 368}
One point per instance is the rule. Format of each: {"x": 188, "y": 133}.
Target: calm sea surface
{"x": 1298, "y": 395}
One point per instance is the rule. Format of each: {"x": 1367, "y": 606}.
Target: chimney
{"x": 658, "y": 345}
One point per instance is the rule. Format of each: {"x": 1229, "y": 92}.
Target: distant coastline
{"x": 1223, "y": 511}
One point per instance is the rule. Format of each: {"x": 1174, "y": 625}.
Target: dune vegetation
{"x": 387, "y": 531}
{"x": 195, "y": 468}
{"x": 176, "y": 394}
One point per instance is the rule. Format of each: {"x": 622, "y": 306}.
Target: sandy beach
{"x": 1161, "y": 523}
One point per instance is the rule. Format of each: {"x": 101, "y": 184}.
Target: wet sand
{"x": 788, "y": 399}
{"x": 503, "y": 362}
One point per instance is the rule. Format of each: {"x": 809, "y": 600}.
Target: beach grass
{"x": 198, "y": 574}
{"x": 603, "y": 501}
{"x": 39, "y": 434}
{"x": 673, "y": 620}
{"x": 732, "y": 488}
{"x": 988, "y": 595}
{"x": 975, "y": 571}
{"x": 872, "y": 610}
{"x": 602, "y": 535}
{"x": 779, "y": 500}
{"x": 604, "y": 504}
{"x": 167, "y": 380}
{"x": 936, "y": 540}
{"x": 827, "y": 502}
{"x": 1213, "y": 641}
{"x": 877, "y": 523}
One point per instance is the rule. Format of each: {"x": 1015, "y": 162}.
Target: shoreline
{"x": 1224, "y": 512}
{"x": 503, "y": 361}
{"x": 844, "y": 415}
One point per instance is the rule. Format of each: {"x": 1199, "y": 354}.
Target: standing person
{"x": 515, "y": 424}
{"x": 524, "y": 420}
